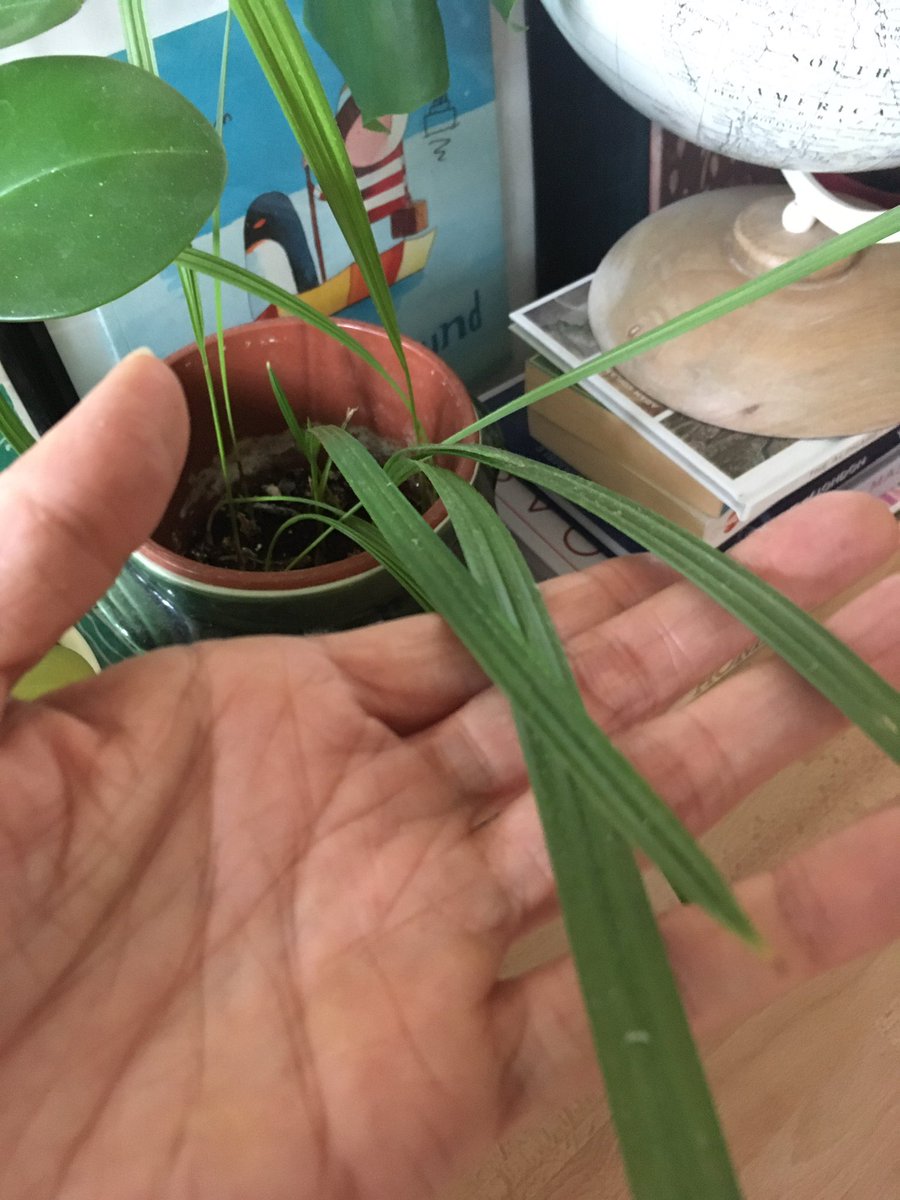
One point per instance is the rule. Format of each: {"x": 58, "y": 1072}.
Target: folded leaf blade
{"x": 669, "y": 1134}
{"x": 281, "y": 52}
{"x": 821, "y": 658}
{"x": 616, "y": 788}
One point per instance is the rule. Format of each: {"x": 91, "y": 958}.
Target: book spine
{"x": 851, "y": 476}
{"x": 514, "y": 434}
{"x": 612, "y": 445}
{"x": 724, "y": 531}
{"x": 840, "y": 476}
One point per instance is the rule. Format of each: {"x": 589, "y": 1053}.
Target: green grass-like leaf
{"x": 217, "y": 243}
{"x": 12, "y": 428}
{"x": 669, "y": 1134}
{"x": 141, "y": 53}
{"x": 276, "y": 42}
{"x": 138, "y": 42}
{"x": 821, "y": 658}
{"x": 240, "y": 277}
{"x": 194, "y": 304}
{"x": 359, "y": 530}
{"x": 619, "y": 792}
{"x": 304, "y": 439}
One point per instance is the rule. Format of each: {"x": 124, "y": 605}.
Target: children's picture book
{"x": 431, "y": 185}
{"x": 748, "y": 473}
{"x": 552, "y": 544}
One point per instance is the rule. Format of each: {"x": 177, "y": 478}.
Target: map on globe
{"x": 810, "y": 86}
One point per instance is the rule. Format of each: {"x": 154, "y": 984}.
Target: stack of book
{"x": 714, "y": 482}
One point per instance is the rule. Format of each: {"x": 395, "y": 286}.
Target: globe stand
{"x": 817, "y": 359}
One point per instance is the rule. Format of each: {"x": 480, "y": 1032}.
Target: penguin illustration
{"x": 275, "y": 241}
{"x": 275, "y": 244}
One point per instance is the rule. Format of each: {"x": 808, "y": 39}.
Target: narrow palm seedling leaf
{"x": 620, "y": 793}
{"x": 832, "y": 251}
{"x": 217, "y": 244}
{"x": 829, "y": 665}
{"x": 194, "y": 304}
{"x": 369, "y": 539}
{"x": 276, "y": 42}
{"x": 302, "y": 437}
{"x": 348, "y": 516}
{"x": 669, "y": 1135}
{"x": 356, "y": 528}
{"x": 12, "y": 427}
{"x": 240, "y": 277}
{"x": 108, "y": 170}
{"x": 140, "y": 50}
{"x": 23, "y": 19}
{"x": 138, "y": 42}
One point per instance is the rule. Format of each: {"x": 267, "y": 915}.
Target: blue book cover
{"x": 431, "y": 185}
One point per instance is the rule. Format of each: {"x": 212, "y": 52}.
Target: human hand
{"x": 255, "y": 895}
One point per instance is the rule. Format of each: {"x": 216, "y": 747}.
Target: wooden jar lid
{"x": 818, "y": 359}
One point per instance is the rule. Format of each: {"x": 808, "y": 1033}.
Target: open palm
{"x": 255, "y": 896}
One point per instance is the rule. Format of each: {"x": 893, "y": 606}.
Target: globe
{"x": 807, "y": 85}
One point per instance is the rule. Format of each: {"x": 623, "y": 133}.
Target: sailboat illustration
{"x": 276, "y": 244}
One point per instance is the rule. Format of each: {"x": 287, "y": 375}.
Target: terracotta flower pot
{"x": 163, "y": 597}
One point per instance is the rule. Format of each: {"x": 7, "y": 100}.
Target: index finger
{"x": 76, "y": 504}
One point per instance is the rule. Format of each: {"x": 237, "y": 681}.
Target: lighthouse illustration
{"x": 276, "y": 244}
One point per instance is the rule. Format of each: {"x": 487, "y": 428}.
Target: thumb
{"x": 73, "y": 507}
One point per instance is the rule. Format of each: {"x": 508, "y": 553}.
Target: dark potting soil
{"x": 273, "y": 469}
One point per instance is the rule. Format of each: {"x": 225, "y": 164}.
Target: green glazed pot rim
{"x": 193, "y": 584}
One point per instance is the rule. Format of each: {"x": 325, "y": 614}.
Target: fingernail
{"x": 141, "y": 350}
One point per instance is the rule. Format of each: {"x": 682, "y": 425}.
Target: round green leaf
{"x": 23, "y": 19}
{"x": 106, "y": 175}
{"x": 392, "y": 54}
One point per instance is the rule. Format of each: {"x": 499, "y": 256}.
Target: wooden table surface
{"x": 809, "y": 1090}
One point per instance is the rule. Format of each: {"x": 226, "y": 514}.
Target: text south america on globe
{"x": 807, "y": 85}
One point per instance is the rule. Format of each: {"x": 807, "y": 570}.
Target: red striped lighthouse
{"x": 380, "y": 168}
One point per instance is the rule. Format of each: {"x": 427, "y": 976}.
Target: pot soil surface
{"x": 273, "y": 468}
